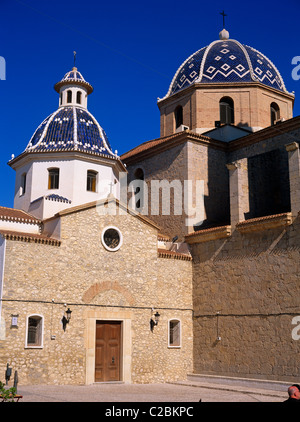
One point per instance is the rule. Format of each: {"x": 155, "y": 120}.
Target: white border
{"x": 104, "y": 244}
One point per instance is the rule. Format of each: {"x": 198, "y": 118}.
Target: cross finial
{"x": 74, "y": 52}
{"x": 223, "y": 14}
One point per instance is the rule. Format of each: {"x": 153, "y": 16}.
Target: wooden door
{"x": 108, "y": 346}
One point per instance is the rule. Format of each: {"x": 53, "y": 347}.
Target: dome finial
{"x": 74, "y": 67}
{"x": 223, "y": 35}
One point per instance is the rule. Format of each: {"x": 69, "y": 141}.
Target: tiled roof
{"x": 205, "y": 235}
{"x": 163, "y": 237}
{"x": 74, "y": 77}
{"x": 265, "y": 222}
{"x": 29, "y": 237}
{"x": 164, "y": 253}
{"x": 70, "y": 128}
{"x": 58, "y": 198}
{"x": 166, "y": 142}
{"x": 156, "y": 145}
{"x": 225, "y": 61}
{"x": 17, "y": 215}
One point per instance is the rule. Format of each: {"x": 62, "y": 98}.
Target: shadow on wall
{"x": 240, "y": 246}
{"x": 269, "y": 184}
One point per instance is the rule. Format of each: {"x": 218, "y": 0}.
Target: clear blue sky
{"x": 129, "y": 51}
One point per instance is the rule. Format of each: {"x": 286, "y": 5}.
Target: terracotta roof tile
{"x": 164, "y": 253}
{"x": 17, "y": 215}
{"x": 29, "y": 237}
{"x": 153, "y": 145}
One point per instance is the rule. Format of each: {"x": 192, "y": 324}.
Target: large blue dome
{"x": 70, "y": 128}
{"x": 226, "y": 61}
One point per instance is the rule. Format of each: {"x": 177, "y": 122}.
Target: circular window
{"x": 112, "y": 238}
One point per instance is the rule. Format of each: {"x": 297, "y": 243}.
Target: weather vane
{"x": 223, "y": 14}
{"x": 74, "y": 52}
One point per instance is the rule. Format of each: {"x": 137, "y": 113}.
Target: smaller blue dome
{"x": 69, "y": 129}
{"x": 74, "y": 74}
{"x": 73, "y": 77}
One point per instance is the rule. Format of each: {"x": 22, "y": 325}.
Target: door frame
{"x": 124, "y": 317}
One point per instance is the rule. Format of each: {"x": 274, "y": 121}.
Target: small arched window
{"x": 53, "y": 178}
{"x": 226, "y": 110}
{"x": 139, "y": 189}
{"x": 69, "y": 96}
{"x": 78, "y": 97}
{"x": 34, "y": 335}
{"x": 23, "y": 184}
{"x": 91, "y": 181}
{"x": 178, "y": 113}
{"x": 275, "y": 113}
{"x": 174, "y": 333}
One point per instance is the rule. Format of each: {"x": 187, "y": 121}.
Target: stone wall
{"x": 97, "y": 285}
{"x": 189, "y": 161}
{"x": 171, "y": 165}
{"x": 252, "y": 280}
{"x": 201, "y": 107}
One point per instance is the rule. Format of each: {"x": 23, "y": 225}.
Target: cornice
{"x": 163, "y": 253}
{"x": 67, "y": 153}
{"x": 206, "y": 235}
{"x": 264, "y": 134}
{"x": 159, "y": 145}
{"x": 28, "y": 237}
{"x": 265, "y": 223}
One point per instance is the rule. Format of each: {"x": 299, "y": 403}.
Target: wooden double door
{"x": 108, "y": 350}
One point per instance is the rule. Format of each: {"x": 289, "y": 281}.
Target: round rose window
{"x": 112, "y": 238}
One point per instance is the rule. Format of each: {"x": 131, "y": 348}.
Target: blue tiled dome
{"x": 70, "y": 128}
{"x": 225, "y": 61}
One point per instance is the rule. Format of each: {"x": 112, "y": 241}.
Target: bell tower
{"x": 68, "y": 160}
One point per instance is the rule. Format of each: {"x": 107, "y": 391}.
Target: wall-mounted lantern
{"x": 154, "y": 319}
{"x": 66, "y": 318}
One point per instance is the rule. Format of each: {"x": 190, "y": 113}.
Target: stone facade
{"x": 39, "y": 278}
{"x": 192, "y": 158}
{"x": 246, "y": 291}
{"x": 230, "y": 282}
{"x": 245, "y": 261}
{"x": 261, "y": 160}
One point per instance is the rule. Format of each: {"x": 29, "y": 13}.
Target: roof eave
{"x": 13, "y": 163}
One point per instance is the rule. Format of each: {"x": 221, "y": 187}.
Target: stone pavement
{"x": 185, "y": 391}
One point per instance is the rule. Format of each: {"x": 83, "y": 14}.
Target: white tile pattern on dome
{"x": 226, "y": 61}
{"x": 70, "y": 128}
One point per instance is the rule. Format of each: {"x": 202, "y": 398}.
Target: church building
{"x": 178, "y": 258}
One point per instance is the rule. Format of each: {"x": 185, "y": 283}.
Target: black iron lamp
{"x": 154, "y": 322}
{"x": 66, "y": 318}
